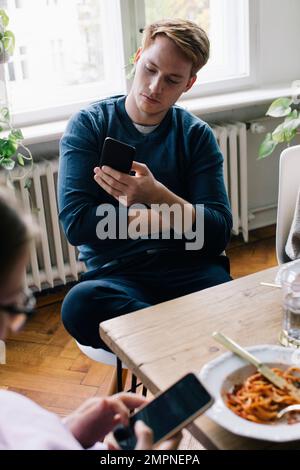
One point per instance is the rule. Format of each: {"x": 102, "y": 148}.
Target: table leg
{"x": 119, "y": 376}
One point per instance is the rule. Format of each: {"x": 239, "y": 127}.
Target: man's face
{"x": 162, "y": 74}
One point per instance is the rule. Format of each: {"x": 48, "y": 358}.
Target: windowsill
{"x": 40, "y": 133}
{"x": 53, "y": 131}
{"x": 240, "y": 99}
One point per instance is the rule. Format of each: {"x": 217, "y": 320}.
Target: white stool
{"x": 110, "y": 359}
{"x": 106, "y": 357}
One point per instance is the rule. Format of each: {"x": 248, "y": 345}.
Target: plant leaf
{"x": 20, "y": 159}
{"x": 278, "y": 134}
{"x": 293, "y": 115}
{"x": 291, "y": 124}
{"x": 4, "y": 17}
{"x": 28, "y": 183}
{"x": 287, "y": 130}
{"x": 280, "y": 107}
{"x": 8, "y": 41}
{"x": 16, "y": 135}
{"x": 4, "y": 115}
{"x": 8, "y": 147}
{"x": 266, "y": 147}
{"x": 8, "y": 164}
{"x": 132, "y": 58}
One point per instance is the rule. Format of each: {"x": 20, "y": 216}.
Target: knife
{"x": 280, "y": 382}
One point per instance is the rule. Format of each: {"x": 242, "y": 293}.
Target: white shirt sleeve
{"x": 24, "y": 425}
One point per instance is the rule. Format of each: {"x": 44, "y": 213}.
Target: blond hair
{"x": 187, "y": 35}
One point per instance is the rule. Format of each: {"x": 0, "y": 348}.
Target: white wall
{"x": 263, "y": 179}
{"x": 278, "y": 41}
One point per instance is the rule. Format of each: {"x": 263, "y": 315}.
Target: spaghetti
{"x": 258, "y": 400}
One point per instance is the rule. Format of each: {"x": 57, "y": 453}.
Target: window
{"x": 72, "y": 52}
{"x": 194, "y": 10}
{"x": 227, "y": 24}
{"x": 67, "y": 52}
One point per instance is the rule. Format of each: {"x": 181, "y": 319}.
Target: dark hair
{"x": 15, "y": 231}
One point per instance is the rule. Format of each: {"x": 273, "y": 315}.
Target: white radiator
{"x": 232, "y": 139}
{"x": 53, "y": 261}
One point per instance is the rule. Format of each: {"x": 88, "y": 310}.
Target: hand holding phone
{"x": 168, "y": 413}
{"x": 117, "y": 155}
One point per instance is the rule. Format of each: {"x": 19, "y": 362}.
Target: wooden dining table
{"x": 160, "y": 344}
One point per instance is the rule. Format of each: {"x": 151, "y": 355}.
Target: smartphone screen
{"x": 117, "y": 155}
{"x": 172, "y": 410}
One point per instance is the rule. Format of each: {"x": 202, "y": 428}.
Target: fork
{"x": 287, "y": 409}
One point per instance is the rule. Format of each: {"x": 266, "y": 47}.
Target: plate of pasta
{"x": 246, "y": 403}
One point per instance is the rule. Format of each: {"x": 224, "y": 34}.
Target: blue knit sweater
{"x": 182, "y": 153}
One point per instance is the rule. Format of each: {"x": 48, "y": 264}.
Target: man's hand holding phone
{"x": 139, "y": 189}
{"x": 112, "y": 174}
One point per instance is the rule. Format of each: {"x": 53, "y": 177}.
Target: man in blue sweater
{"x": 178, "y": 165}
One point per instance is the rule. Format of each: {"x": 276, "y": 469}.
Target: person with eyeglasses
{"x": 24, "y": 424}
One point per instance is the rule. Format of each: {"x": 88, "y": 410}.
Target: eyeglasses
{"x": 25, "y": 304}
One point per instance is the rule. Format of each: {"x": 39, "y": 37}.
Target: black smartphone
{"x": 169, "y": 412}
{"x": 117, "y": 155}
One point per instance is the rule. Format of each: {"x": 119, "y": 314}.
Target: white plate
{"x": 219, "y": 375}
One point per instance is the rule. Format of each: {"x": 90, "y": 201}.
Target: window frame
{"x": 223, "y": 85}
{"x": 235, "y": 83}
{"x": 62, "y": 111}
{"x": 132, "y": 13}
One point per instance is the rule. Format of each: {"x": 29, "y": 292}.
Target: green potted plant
{"x": 7, "y": 38}
{"x": 12, "y": 149}
{"x": 289, "y": 109}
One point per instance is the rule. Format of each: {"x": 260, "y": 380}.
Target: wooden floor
{"x": 45, "y": 364}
